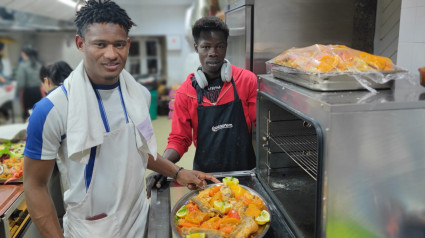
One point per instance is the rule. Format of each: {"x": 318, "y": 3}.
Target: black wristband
{"x": 177, "y": 172}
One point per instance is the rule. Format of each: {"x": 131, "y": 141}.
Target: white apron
{"x": 116, "y": 189}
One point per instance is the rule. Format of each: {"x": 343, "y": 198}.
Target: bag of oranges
{"x": 332, "y": 58}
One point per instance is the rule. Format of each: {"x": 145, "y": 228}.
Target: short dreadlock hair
{"x": 98, "y": 11}
{"x": 209, "y": 23}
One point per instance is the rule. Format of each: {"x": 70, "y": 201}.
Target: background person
{"x": 99, "y": 126}
{"x": 214, "y": 108}
{"x": 3, "y": 79}
{"x": 7, "y": 106}
{"x": 28, "y": 85}
{"x": 53, "y": 75}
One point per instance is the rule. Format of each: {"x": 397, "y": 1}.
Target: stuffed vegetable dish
{"x": 11, "y": 160}
{"x": 222, "y": 210}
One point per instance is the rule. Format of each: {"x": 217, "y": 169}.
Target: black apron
{"x": 224, "y": 143}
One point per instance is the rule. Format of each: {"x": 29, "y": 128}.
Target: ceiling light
{"x": 68, "y": 2}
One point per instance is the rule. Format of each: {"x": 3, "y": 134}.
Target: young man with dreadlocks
{"x": 215, "y": 108}
{"x": 97, "y": 124}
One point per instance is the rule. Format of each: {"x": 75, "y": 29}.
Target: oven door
{"x": 239, "y": 19}
{"x": 289, "y": 162}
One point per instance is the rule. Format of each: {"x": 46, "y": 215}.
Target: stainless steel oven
{"x": 343, "y": 164}
{"x": 330, "y": 164}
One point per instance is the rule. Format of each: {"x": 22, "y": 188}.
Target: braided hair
{"x": 56, "y": 72}
{"x": 209, "y": 23}
{"x": 101, "y": 11}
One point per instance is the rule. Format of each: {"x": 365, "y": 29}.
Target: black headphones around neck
{"x": 226, "y": 74}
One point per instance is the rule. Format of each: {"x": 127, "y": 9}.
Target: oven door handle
{"x": 237, "y": 31}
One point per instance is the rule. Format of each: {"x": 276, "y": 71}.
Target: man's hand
{"x": 154, "y": 179}
{"x": 194, "y": 179}
{"x": 191, "y": 178}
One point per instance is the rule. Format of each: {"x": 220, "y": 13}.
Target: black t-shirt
{"x": 213, "y": 89}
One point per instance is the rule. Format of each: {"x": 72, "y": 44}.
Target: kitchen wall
{"x": 51, "y": 46}
{"x": 387, "y": 28}
{"x": 54, "y": 46}
{"x": 411, "y": 46}
{"x": 167, "y": 21}
{"x": 280, "y": 25}
{"x": 151, "y": 20}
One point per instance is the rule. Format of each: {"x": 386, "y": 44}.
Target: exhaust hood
{"x": 14, "y": 20}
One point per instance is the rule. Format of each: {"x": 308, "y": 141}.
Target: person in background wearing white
{"x": 99, "y": 126}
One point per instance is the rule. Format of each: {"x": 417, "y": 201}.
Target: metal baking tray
{"x": 163, "y": 200}
{"x": 328, "y": 81}
{"x": 186, "y": 198}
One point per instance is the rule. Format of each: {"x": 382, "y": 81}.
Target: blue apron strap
{"x": 64, "y": 91}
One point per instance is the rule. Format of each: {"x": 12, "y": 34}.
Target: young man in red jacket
{"x": 214, "y": 108}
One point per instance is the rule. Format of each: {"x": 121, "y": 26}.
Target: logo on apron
{"x": 219, "y": 127}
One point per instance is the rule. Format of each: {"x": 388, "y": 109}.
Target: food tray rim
{"x": 326, "y": 82}
{"x": 292, "y": 70}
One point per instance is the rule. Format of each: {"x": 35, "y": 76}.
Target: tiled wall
{"x": 387, "y": 28}
{"x": 411, "y": 47}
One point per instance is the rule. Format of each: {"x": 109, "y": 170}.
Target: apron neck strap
{"x": 235, "y": 92}
{"x": 200, "y": 91}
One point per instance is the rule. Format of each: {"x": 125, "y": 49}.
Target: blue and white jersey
{"x": 46, "y": 134}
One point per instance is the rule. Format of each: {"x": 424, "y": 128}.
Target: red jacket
{"x": 184, "y": 127}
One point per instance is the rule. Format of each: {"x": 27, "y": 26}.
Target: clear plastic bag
{"x": 326, "y": 61}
